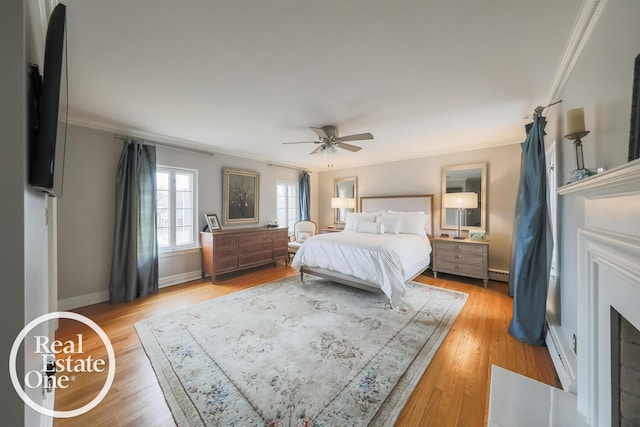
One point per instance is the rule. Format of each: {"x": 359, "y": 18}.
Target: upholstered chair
{"x": 302, "y": 230}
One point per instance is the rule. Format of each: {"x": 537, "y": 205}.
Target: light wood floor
{"x": 454, "y": 390}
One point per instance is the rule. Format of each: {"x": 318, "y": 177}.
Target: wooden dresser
{"x": 236, "y": 249}
{"x": 468, "y": 258}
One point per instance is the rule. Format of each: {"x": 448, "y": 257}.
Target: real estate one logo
{"x": 61, "y": 361}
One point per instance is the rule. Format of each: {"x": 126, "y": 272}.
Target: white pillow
{"x": 355, "y": 218}
{"x": 410, "y": 223}
{"x": 371, "y": 227}
{"x": 302, "y": 236}
{"x": 391, "y": 226}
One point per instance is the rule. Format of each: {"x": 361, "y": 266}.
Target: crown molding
{"x": 585, "y": 22}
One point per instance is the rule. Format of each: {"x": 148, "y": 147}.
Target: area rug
{"x": 297, "y": 353}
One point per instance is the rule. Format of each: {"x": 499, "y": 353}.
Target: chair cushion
{"x": 303, "y": 235}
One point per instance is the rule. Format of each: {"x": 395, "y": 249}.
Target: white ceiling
{"x": 242, "y": 77}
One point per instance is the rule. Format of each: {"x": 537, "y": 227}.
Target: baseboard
{"x": 498, "y": 275}
{"x": 563, "y": 357}
{"x": 83, "y": 300}
{"x": 103, "y": 296}
{"x": 179, "y": 278}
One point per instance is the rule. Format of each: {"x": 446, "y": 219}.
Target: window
{"x": 287, "y": 194}
{"x": 176, "y": 208}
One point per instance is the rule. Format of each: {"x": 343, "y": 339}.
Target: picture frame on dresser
{"x": 213, "y": 222}
{"x": 241, "y": 196}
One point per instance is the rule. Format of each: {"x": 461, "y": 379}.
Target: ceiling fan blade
{"x": 320, "y": 132}
{"x": 302, "y": 142}
{"x": 356, "y": 137}
{"x": 317, "y": 150}
{"x": 348, "y": 146}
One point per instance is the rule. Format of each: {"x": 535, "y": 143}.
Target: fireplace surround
{"x": 608, "y": 276}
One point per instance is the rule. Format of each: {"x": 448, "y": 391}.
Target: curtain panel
{"x": 532, "y": 241}
{"x": 305, "y": 196}
{"x": 134, "y": 267}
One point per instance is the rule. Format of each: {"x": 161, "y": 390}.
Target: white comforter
{"x": 384, "y": 261}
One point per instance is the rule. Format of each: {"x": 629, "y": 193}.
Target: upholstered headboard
{"x": 401, "y": 203}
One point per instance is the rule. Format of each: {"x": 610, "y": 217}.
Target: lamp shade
{"x": 460, "y": 200}
{"x": 343, "y": 202}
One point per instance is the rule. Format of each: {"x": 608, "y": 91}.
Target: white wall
{"x": 601, "y": 83}
{"x": 86, "y": 210}
{"x": 422, "y": 176}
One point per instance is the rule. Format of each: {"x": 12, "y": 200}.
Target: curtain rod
{"x": 290, "y": 167}
{"x": 164, "y": 144}
{"x": 538, "y": 110}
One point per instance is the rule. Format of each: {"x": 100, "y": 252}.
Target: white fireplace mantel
{"x": 608, "y": 275}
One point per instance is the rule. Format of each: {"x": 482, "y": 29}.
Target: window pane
{"x": 183, "y": 182}
{"x": 163, "y": 237}
{"x": 163, "y": 218}
{"x": 163, "y": 199}
{"x": 184, "y": 217}
{"x": 162, "y": 180}
{"x": 184, "y": 199}
{"x": 184, "y": 235}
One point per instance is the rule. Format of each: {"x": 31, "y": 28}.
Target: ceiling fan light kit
{"x": 329, "y": 140}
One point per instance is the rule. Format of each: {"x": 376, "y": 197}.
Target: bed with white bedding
{"x": 382, "y": 248}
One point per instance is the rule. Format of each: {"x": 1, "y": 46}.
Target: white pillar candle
{"x": 574, "y": 120}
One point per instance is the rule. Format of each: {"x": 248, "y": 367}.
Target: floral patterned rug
{"x": 297, "y": 353}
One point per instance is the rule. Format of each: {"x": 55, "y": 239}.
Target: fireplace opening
{"x": 625, "y": 371}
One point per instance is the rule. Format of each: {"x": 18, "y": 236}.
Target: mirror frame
{"x": 336, "y": 182}
{"x": 483, "y": 196}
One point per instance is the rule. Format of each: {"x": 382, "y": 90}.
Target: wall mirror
{"x": 465, "y": 178}
{"x": 345, "y": 188}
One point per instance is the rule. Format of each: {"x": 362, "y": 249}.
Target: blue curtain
{"x": 305, "y": 196}
{"x": 532, "y": 241}
{"x": 134, "y": 265}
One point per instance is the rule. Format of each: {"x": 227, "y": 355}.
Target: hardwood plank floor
{"x": 454, "y": 390}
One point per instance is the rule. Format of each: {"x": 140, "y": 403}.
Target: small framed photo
{"x": 212, "y": 222}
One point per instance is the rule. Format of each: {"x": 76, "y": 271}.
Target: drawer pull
{"x": 456, "y": 247}
{"x": 457, "y": 267}
{"x": 457, "y": 256}
{"x": 265, "y": 237}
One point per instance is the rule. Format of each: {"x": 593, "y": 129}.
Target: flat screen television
{"x": 43, "y": 108}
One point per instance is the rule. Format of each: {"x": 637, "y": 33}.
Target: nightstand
{"x": 468, "y": 258}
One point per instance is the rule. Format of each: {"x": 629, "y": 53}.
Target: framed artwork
{"x": 212, "y": 222}
{"x": 634, "y": 131}
{"x": 241, "y": 196}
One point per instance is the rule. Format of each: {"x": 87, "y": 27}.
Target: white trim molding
{"x": 587, "y": 18}
{"x": 176, "y": 279}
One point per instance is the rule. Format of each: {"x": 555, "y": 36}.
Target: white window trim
{"x": 182, "y": 249}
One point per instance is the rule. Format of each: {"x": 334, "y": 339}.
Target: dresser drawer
{"x": 255, "y": 258}
{"x": 460, "y": 257}
{"x": 256, "y": 247}
{"x": 280, "y": 253}
{"x": 472, "y": 270}
{"x": 226, "y": 252}
{"x": 252, "y": 239}
{"x": 226, "y": 264}
{"x": 459, "y": 247}
{"x": 226, "y": 241}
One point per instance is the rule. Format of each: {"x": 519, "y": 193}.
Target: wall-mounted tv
{"x": 43, "y": 107}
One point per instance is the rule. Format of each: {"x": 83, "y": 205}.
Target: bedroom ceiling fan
{"x": 329, "y": 139}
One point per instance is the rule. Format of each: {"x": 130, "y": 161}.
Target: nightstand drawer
{"x": 456, "y": 247}
{"x": 473, "y": 270}
{"x": 460, "y": 257}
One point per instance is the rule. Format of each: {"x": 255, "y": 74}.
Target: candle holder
{"x": 576, "y": 137}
